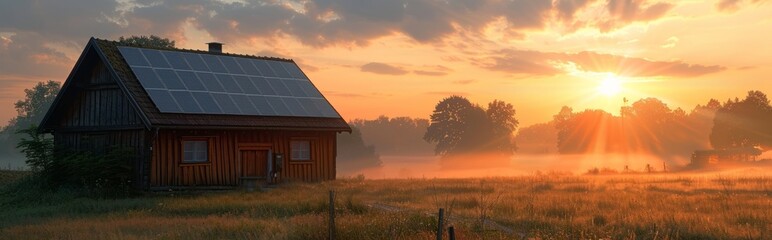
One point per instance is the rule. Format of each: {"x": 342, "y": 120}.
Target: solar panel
{"x": 207, "y": 103}
{"x": 176, "y": 61}
{"x": 262, "y": 105}
{"x": 279, "y": 87}
{"x": 214, "y": 64}
{"x": 293, "y": 70}
{"x": 194, "y": 60}
{"x": 170, "y": 79}
{"x": 278, "y": 69}
{"x": 226, "y": 103}
{"x": 185, "y": 101}
{"x": 148, "y": 78}
{"x": 134, "y": 57}
{"x": 228, "y": 83}
{"x": 210, "y": 82}
{"x": 155, "y": 58}
{"x": 246, "y": 85}
{"x": 295, "y": 89}
{"x": 264, "y": 68}
{"x": 231, "y": 65}
{"x": 201, "y": 83}
{"x": 163, "y": 100}
{"x": 191, "y": 81}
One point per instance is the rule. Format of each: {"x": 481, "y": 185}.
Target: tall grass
{"x": 551, "y": 207}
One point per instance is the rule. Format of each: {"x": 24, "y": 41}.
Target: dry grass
{"x": 547, "y": 207}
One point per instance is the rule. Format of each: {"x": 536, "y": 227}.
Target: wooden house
{"x": 202, "y": 119}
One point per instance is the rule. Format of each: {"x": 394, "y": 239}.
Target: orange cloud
{"x": 382, "y": 68}
{"x": 544, "y": 63}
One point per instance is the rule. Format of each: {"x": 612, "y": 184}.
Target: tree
{"x": 502, "y": 118}
{"x": 145, "y": 41}
{"x": 448, "y": 124}
{"x": 38, "y": 148}
{"x": 353, "y": 153}
{"x": 563, "y": 125}
{"x": 743, "y": 123}
{"x": 537, "y": 139}
{"x": 395, "y": 136}
{"x": 33, "y": 108}
{"x": 460, "y": 127}
{"x": 30, "y": 112}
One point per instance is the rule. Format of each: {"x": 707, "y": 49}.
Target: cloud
{"x": 26, "y": 54}
{"x": 670, "y": 42}
{"x": 733, "y": 5}
{"x": 464, "y": 81}
{"x": 344, "y": 94}
{"x": 545, "y": 63}
{"x": 317, "y": 23}
{"x": 639, "y": 67}
{"x": 58, "y": 20}
{"x": 623, "y": 12}
{"x": 437, "y": 70}
{"x": 46, "y": 29}
{"x": 430, "y": 73}
{"x": 519, "y": 62}
{"x": 325, "y": 23}
{"x": 447, "y": 93}
{"x": 382, "y": 68}
{"x": 567, "y": 8}
{"x": 728, "y": 5}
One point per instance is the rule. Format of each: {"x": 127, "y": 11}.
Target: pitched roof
{"x": 154, "y": 117}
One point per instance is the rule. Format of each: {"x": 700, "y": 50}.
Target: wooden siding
{"x": 224, "y": 165}
{"x": 98, "y": 104}
{"x": 96, "y": 115}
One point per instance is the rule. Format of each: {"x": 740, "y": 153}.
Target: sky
{"x": 401, "y": 57}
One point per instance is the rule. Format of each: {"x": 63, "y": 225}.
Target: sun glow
{"x": 610, "y": 86}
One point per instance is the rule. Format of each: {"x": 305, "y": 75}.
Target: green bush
{"x": 105, "y": 174}
{"x": 38, "y": 148}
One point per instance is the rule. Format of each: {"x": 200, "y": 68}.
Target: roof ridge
{"x": 118, "y": 44}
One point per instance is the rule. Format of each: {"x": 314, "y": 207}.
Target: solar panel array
{"x": 195, "y": 83}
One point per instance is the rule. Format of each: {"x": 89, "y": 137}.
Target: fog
{"x": 394, "y": 167}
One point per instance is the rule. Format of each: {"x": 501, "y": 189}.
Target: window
{"x": 195, "y": 151}
{"x": 301, "y": 150}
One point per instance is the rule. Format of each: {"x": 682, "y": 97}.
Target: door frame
{"x": 256, "y": 147}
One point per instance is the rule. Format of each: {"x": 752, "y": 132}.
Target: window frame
{"x": 209, "y": 148}
{"x": 292, "y": 155}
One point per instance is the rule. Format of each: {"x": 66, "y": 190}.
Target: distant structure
{"x": 197, "y": 119}
{"x": 707, "y": 157}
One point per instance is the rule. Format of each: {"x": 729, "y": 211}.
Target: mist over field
{"x": 395, "y": 167}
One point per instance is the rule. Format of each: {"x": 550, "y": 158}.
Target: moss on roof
{"x": 119, "y": 44}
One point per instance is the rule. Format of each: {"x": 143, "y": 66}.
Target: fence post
{"x": 332, "y": 215}
{"x": 439, "y": 224}
{"x": 451, "y": 233}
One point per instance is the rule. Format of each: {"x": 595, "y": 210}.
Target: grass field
{"x": 538, "y": 206}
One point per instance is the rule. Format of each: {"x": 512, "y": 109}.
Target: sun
{"x": 610, "y": 86}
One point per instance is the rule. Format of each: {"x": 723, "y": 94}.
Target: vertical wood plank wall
{"x": 97, "y": 115}
{"x": 223, "y": 168}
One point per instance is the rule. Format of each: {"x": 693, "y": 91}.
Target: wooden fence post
{"x": 451, "y": 233}
{"x": 332, "y": 215}
{"x": 439, "y": 224}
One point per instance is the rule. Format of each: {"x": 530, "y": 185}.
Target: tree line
{"x": 650, "y": 126}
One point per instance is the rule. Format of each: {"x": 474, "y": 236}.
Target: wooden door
{"x": 254, "y": 163}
